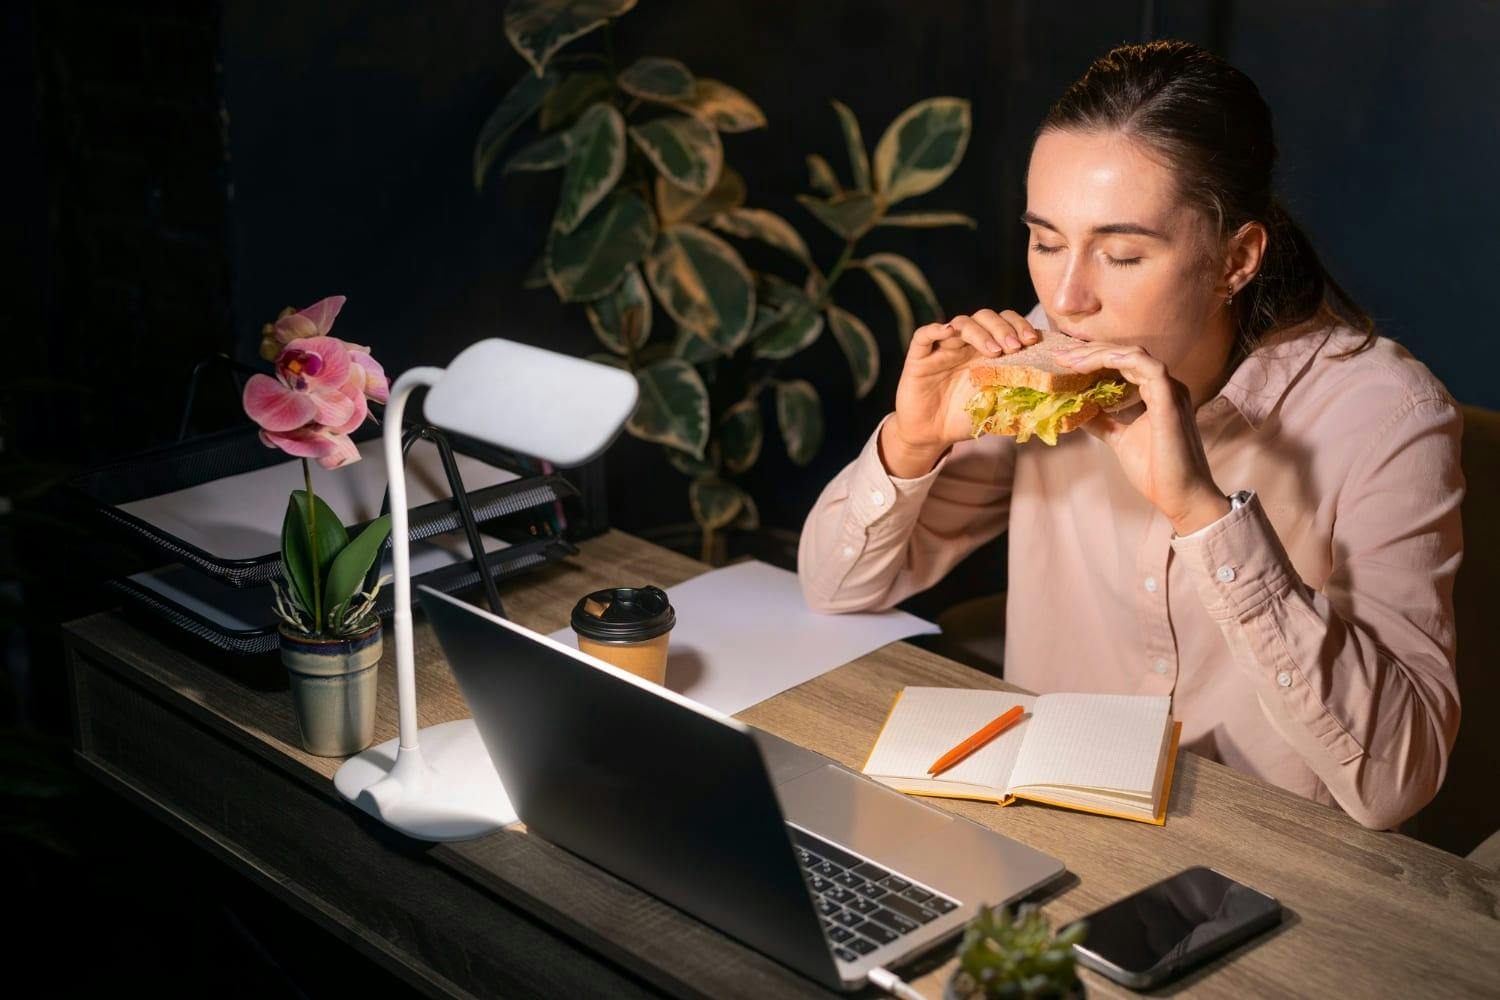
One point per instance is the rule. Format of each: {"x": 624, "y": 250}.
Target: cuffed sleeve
{"x": 1359, "y": 678}
{"x": 872, "y": 540}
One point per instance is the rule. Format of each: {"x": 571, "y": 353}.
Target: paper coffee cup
{"x": 628, "y": 627}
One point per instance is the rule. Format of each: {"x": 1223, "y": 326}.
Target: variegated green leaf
{"x": 596, "y": 160}
{"x": 715, "y": 503}
{"x": 786, "y": 323}
{"x": 687, "y": 464}
{"x": 656, "y": 79}
{"x": 683, "y": 149}
{"x": 850, "y": 215}
{"x": 538, "y": 28}
{"x": 914, "y": 289}
{"x": 921, "y": 147}
{"x": 547, "y": 153}
{"x": 740, "y": 435}
{"x": 820, "y": 176}
{"x": 570, "y": 97}
{"x": 799, "y": 414}
{"x": 673, "y": 409}
{"x": 899, "y": 306}
{"x": 703, "y": 284}
{"x": 674, "y": 204}
{"x": 723, "y": 107}
{"x": 749, "y": 519}
{"x": 927, "y": 220}
{"x": 693, "y": 349}
{"x": 859, "y": 160}
{"x": 613, "y": 360}
{"x": 591, "y": 260}
{"x": 515, "y": 107}
{"x": 859, "y": 347}
{"x": 622, "y": 319}
{"x": 536, "y": 274}
{"x": 768, "y": 227}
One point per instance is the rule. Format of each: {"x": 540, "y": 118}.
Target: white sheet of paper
{"x": 745, "y": 633}
{"x": 239, "y": 517}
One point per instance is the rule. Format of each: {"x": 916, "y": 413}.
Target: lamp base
{"x": 445, "y": 788}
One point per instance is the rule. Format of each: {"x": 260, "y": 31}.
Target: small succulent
{"x": 1016, "y": 956}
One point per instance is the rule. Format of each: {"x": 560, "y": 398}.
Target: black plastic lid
{"x": 631, "y": 614}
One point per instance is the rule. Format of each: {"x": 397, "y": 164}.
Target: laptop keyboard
{"x": 863, "y": 906}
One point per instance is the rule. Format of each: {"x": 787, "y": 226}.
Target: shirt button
{"x": 848, "y": 552}
{"x": 1284, "y": 679}
{"x": 1225, "y": 574}
{"x": 1150, "y": 584}
{"x": 1160, "y": 666}
{"x": 877, "y": 498}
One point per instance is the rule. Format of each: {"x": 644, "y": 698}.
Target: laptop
{"x": 780, "y": 847}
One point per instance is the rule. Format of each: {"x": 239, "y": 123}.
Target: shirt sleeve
{"x": 1359, "y": 678}
{"x": 873, "y": 540}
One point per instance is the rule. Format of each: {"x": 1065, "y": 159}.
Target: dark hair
{"x": 1207, "y": 121}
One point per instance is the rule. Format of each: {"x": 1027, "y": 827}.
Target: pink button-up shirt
{"x": 1306, "y": 637}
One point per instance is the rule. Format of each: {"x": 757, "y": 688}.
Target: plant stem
{"x": 838, "y": 269}
{"x": 312, "y": 534}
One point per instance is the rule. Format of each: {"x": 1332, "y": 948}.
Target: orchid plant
{"x": 319, "y": 396}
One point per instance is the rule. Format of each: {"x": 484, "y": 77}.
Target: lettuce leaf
{"x": 1029, "y": 412}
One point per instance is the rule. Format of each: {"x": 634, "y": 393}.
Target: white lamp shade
{"x": 557, "y": 408}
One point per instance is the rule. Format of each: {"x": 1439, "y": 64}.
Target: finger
{"x": 1024, "y": 329}
{"x": 925, "y": 336}
{"x": 1003, "y": 333}
{"x": 1157, "y": 387}
{"x": 976, "y": 335}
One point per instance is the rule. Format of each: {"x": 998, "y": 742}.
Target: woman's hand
{"x": 1161, "y": 451}
{"x": 934, "y": 387}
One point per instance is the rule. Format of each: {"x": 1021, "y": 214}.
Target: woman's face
{"x": 1116, "y": 256}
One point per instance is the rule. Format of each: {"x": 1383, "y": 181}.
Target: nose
{"x": 1074, "y": 296}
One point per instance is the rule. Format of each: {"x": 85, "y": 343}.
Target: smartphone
{"x": 1156, "y": 934}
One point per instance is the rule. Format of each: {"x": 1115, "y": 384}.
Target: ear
{"x": 1245, "y": 252}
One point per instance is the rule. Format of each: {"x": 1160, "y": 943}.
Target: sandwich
{"x": 1028, "y": 393}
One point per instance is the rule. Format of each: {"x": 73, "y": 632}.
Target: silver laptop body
{"x": 799, "y": 857}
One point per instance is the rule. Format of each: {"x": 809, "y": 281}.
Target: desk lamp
{"x": 438, "y": 783}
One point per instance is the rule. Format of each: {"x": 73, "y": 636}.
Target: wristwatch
{"x": 1239, "y": 499}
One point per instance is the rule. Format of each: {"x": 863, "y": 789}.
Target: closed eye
{"x": 1045, "y": 249}
{"x": 1122, "y": 261}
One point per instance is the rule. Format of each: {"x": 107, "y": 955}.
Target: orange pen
{"x": 976, "y": 741}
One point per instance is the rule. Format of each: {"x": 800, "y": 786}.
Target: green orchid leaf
{"x": 859, "y": 347}
{"x": 740, "y": 435}
{"x": 515, "y": 107}
{"x": 572, "y": 95}
{"x": 889, "y": 269}
{"x": 547, "y": 153}
{"x": 703, "y": 284}
{"x": 683, "y": 150}
{"x": 715, "y": 503}
{"x": 768, "y": 227}
{"x": 657, "y": 79}
{"x": 675, "y": 204}
{"x": 850, "y": 215}
{"x": 297, "y": 560}
{"x": 351, "y": 567}
{"x": 799, "y": 414}
{"x": 921, "y": 147}
{"x": 722, "y": 106}
{"x": 673, "y": 408}
{"x": 622, "y": 318}
{"x": 821, "y": 178}
{"x": 538, "y": 28}
{"x": 859, "y": 160}
{"x": 595, "y": 161}
{"x": 593, "y": 259}
{"x": 926, "y": 220}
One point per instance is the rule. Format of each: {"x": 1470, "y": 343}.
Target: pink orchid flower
{"x": 313, "y": 403}
{"x": 314, "y": 321}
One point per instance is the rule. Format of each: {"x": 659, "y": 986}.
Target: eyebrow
{"x": 1118, "y": 228}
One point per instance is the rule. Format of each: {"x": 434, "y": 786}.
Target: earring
{"x": 1229, "y": 299}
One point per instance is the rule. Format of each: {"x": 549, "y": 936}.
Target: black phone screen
{"x": 1176, "y": 920}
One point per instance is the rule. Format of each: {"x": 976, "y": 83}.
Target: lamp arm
{"x": 406, "y": 672}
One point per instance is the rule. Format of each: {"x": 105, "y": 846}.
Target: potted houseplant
{"x": 330, "y": 633}
{"x": 1015, "y": 956}
{"x": 644, "y": 206}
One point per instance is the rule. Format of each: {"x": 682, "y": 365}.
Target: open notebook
{"x": 1110, "y": 754}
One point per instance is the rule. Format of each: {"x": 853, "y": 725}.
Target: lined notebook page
{"x": 927, "y": 722}
{"x": 1109, "y": 742}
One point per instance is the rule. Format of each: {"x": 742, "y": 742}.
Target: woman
{"x": 1270, "y": 538}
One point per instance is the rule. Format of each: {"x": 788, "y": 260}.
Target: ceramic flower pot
{"x": 333, "y": 689}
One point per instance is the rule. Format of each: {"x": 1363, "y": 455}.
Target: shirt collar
{"x": 1261, "y": 380}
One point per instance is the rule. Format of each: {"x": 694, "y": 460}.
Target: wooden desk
{"x": 509, "y": 914}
